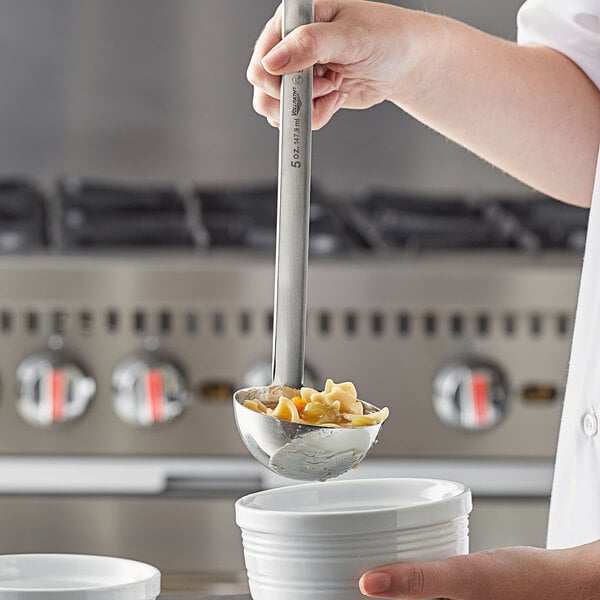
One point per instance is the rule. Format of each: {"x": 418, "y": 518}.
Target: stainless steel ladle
{"x": 295, "y": 450}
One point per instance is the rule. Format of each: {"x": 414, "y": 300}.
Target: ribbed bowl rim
{"x": 251, "y": 517}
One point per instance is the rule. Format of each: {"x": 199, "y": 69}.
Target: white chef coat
{"x": 573, "y": 28}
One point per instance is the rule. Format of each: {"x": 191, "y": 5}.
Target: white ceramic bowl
{"x": 76, "y": 577}
{"x": 314, "y": 541}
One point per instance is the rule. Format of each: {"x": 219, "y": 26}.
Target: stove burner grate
{"x": 248, "y": 218}
{"x": 90, "y": 215}
{"x": 108, "y": 215}
{"x": 22, "y": 216}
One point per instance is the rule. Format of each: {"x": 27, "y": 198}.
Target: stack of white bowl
{"x": 314, "y": 541}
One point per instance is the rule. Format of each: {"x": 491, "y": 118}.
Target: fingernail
{"x": 376, "y": 583}
{"x": 277, "y": 58}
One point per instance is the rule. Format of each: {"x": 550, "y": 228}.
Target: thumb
{"x": 457, "y": 577}
{"x": 304, "y": 47}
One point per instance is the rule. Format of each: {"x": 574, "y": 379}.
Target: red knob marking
{"x": 57, "y": 394}
{"x": 480, "y": 392}
{"x": 155, "y": 394}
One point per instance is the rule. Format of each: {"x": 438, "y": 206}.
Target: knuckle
{"x": 253, "y": 73}
{"x": 265, "y": 106}
{"x": 307, "y": 42}
{"x": 320, "y": 119}
{"x": 415, "y": 581}
{"x": 275, "y": 21}
{"x": 250, "y": 73}
{"x": 259, "y": 103}
{"x": 271, "y": 25}
{"x": 318, "y": 124}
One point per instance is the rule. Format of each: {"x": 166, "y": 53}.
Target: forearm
{"x": 528, "y": 110}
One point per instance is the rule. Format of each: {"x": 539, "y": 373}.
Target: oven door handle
{"x": 202, "y": 487}
{"x": 59, "y": 475}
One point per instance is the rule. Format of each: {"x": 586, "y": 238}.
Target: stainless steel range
{"x": 128, "y": 315}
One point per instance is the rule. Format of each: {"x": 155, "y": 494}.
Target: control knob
{"x": 470, "y": 394}
{"x": 148, "y": 390}
{"x": 52, "y": 390}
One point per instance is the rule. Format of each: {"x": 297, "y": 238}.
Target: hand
{"x": 356, "y": 47}
{"x": 511, "y": 105}
{"x": 504, "y": 574}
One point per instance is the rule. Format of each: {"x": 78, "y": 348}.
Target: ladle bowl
{"x": 295, "y": 450}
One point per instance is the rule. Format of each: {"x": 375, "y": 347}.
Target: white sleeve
{"x": 570, "y": 26}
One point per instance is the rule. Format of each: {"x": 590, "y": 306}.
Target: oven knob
{"x": 52, "y": 390}
{"x": 148, "y": 390}
{"x": 260, "y": 374}
{"x": 471, "y": 394}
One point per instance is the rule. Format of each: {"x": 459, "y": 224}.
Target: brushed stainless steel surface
{"x": 186, "y": 587}
{"x": 194, "y": 539}
{"x": 300, "y": 451}
{"x": 293, "y": 211}
{"x": 500, "y": 522}
{"x": 389, "y": 330}
{"x": 228, "y": 477}
{"x": 177, "y": 535}
{"x": 205, "y": 597}
{"x": 152, "y": 90}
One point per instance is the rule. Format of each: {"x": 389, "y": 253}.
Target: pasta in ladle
{"x": 336, "y": 406}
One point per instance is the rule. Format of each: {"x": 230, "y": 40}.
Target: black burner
{"x": 442, "y": 223}
{"x": 100, "y": 215}
{"x": 22, "y": 216}
{"x": 107, "y": 215}
{"x": 555, "y": 225}
{"x": 430, "y": 223}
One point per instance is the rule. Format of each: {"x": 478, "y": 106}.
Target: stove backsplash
{"x": 150, "y": 90}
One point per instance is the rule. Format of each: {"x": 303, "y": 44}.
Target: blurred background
{"x": 137, "y": 231}
{"x": 148, "y": 90}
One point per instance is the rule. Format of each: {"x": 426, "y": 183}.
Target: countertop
{"x": 201, "y": 596}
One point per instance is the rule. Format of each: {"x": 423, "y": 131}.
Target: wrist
{"x": 425, "y": 39}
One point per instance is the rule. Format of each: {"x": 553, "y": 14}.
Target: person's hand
{"x": 358, "y": 49}
{"x": 504, "y": 574}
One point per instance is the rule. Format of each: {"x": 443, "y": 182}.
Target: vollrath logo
{"x": 296, "y": 103}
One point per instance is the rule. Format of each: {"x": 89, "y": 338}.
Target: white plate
{"x": 76, "y": 577}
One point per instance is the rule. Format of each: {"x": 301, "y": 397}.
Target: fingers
{"x": 267, "y": 85}
{"x": 269, "y": 37}
{"x": 456, "y": 577}
{"x": 266, "y": 106}
{"x": 306, "y": 46}
{"x": 517, "y": 573}
{"x": 323, "y": 108}
{"x": 271, "y": 84}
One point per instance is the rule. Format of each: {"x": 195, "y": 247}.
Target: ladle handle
{"x": 293, "y": 211}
